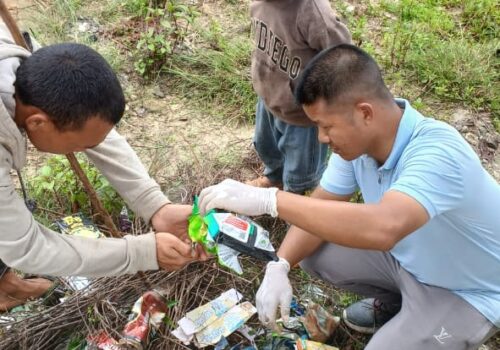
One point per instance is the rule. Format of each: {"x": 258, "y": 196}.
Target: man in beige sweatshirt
{"x": 66, "y": 98}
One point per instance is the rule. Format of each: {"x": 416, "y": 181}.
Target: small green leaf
{"x": 172, "y": 303}
{"x": 46, "y": 171}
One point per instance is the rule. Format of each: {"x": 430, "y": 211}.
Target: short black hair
{"x": 71, "y": 83}
{"x": 343, "y": 72}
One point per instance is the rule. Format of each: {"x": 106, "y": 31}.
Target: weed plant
{"x": 56, "y": 189}
{"x": 166, "y": 26}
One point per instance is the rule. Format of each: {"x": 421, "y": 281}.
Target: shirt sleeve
{"x": 31, "y": 247}
{"x": 339, "y": 177}
{"x": 320, "y": 26}
{"x": 433, "y": 174}
{"x": 122, "y": 167}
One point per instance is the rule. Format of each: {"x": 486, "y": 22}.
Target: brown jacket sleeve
{"x": 320, "y": 26}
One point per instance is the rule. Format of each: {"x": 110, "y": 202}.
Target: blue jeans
{"x": 291, "y": 154}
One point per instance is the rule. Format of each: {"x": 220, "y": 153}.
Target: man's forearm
{"x": 298, "y": 245}
{"x": 122, "y": 167}
{"x": 348, "y": 224}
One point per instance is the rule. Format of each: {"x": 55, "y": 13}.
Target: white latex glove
{"x": 237, "y": 197}
{"x": 274, "y": 291}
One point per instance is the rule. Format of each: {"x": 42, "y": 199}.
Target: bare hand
{"x": 173, "y": 253}
{"x": 172, "y": 218}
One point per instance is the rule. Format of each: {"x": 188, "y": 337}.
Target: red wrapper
{"x": 147, "y": 315}
{"x": 102, "y": 341}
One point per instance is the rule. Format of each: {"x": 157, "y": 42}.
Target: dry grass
{"x": 105, "y": 303}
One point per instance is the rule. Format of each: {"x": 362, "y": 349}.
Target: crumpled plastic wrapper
{"x": 211, "y": 322}
{"x": 227, "y": 236}
{"x": 319, "y": 323}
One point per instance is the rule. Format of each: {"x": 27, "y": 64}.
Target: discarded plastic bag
{"x": 227, "y": 235}
{"x": 102, "y": 341}
{"x": 319, "y": 323}
{"x": 209, "y": 323}
{"x": 146, "y": 318}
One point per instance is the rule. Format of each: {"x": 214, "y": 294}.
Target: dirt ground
{"x": 164, "y": 129}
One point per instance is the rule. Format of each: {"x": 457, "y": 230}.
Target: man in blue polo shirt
{"x": 425, "y": 245}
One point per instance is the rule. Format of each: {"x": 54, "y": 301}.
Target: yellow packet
{"x": 312, "y": 345}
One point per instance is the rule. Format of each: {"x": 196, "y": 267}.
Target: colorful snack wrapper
{"x": 147, "y": 315}
{"x": 228, "y": 235}
{"x": 198, "y": 229}
{"x": 78, "y": 225}
{"x": 226, "y": 324}
{"x": 303, "y": 344}
{"x": 201, "y": 317}
{"x": 229, "y": 258}
{"x": 211, "y": 322}
{"x": 319, "y": 323}
{"x": 245, "y": 236}
{"x": 102, "y": 341}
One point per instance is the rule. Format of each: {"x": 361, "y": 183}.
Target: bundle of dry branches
{"x": 106, "y": 302}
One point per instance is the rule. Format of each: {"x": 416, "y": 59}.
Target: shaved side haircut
{"x": 341, "y": 74}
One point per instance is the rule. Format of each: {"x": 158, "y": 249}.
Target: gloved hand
{"x": 237, "y": 197}
{"x": 274, "y": 291}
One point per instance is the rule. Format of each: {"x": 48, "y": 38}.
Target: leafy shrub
{"x": 57, "y": 187}
{"x": 166, "y": 25}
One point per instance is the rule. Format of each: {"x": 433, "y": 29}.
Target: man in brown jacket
{"x": 288, "y": 34}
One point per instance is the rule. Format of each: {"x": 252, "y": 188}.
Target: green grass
{"x": 429, "y": 13}
{"x": 481, "y": 18}
{"x": 218, "y": 75}
{"x": 445, "y": 48}
{"x": 50, "y": 23}
{"x": 212, "y": 78}
{"x": 206, "y": 66}
{"x": 465, "y": 72}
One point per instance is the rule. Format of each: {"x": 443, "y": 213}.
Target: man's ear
{"x": 38, "y": 122}
{"x": 366, "y": 111}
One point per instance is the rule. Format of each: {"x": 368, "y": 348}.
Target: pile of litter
{"x": 104, "y": 306}
{"x": 205, "y": 305}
